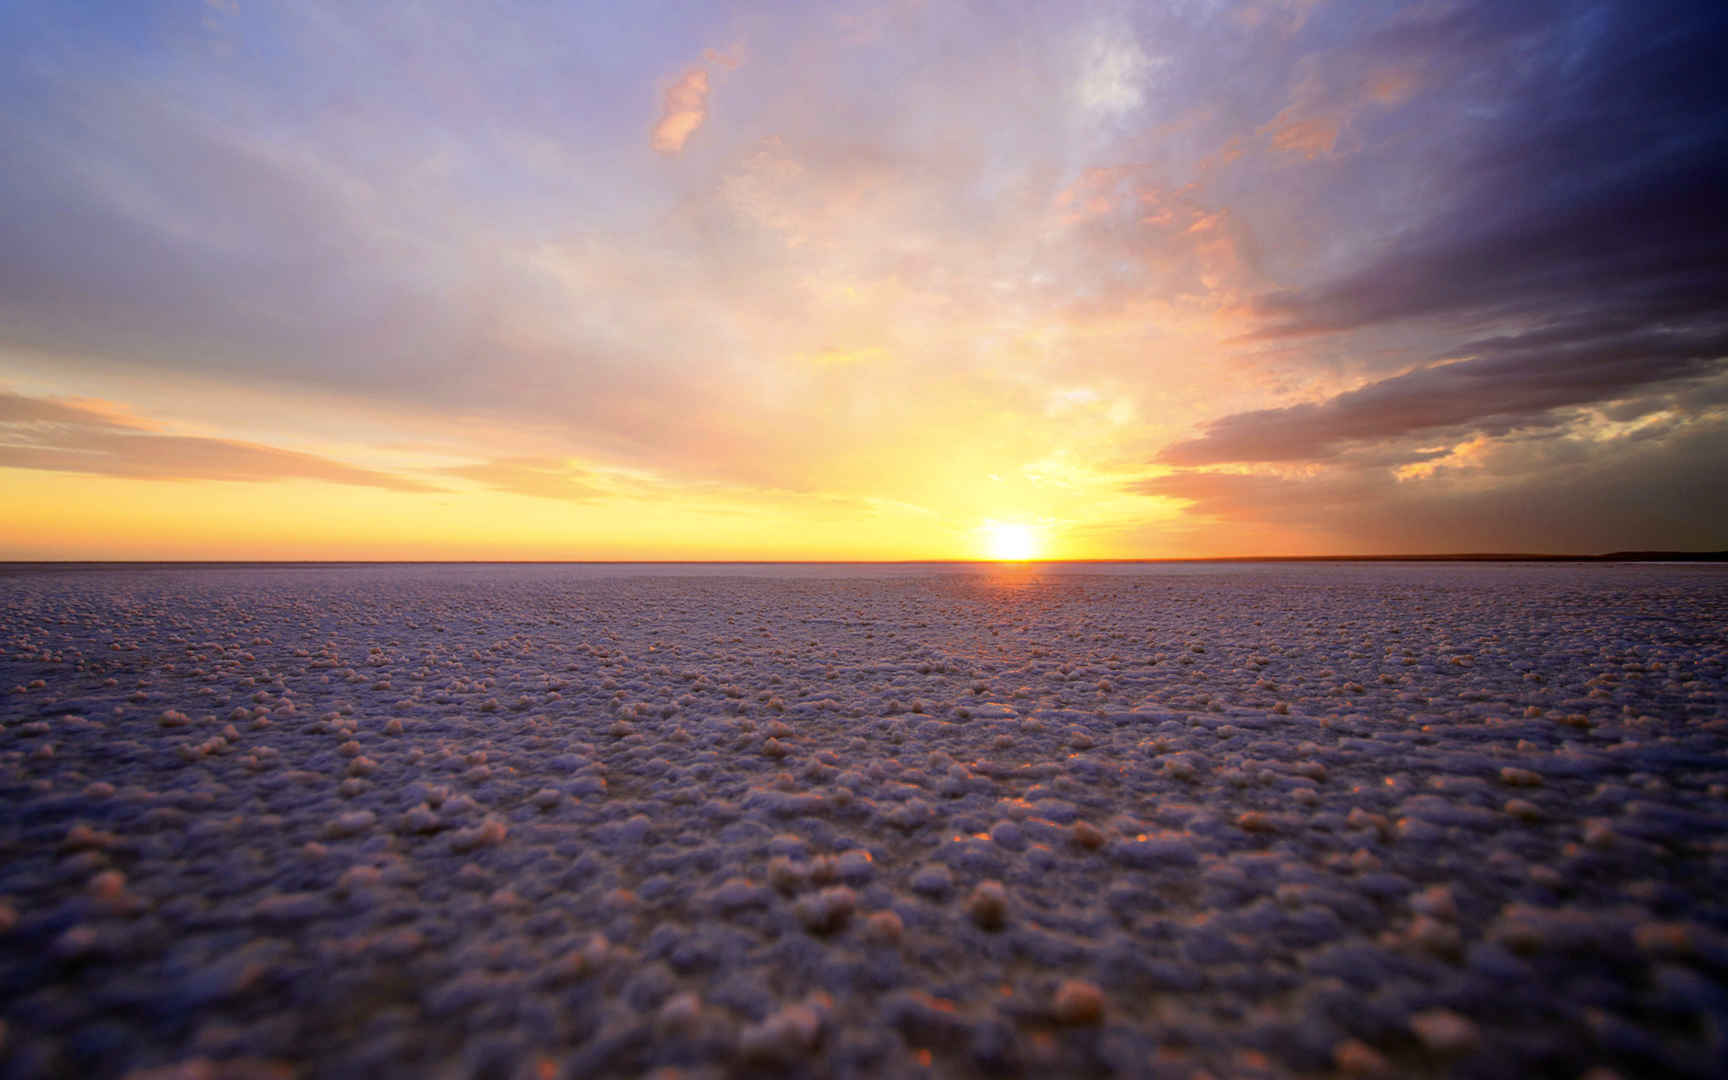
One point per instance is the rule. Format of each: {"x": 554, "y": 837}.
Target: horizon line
{"x": 1506, "y": 556}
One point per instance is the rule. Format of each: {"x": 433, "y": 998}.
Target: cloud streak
{"x": 545, "y": 478}
{"x": 73, "y": 437}
{"x": 1509, "y": 383}
{"x": 1554, "y": 492}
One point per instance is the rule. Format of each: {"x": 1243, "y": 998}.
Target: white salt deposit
{"x": 865, "y": 821}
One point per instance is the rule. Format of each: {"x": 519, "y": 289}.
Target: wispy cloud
{"x": 546, "y": 478}
{"x": 1510, "y": 383}
{"x": 90, "y": 438}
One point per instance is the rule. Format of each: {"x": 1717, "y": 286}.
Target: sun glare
{"x": 1010, "y": 542}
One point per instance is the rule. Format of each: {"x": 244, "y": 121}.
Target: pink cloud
{"x": 683, "y": 109}
{"x": 1311, "y": 134}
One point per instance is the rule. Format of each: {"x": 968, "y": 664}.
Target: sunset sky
{"x": 873, "y": 280}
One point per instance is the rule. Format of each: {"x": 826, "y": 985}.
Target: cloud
{"x": 1134, "y": 239}
{"x": 1301, "y": 130}
{"x": 547, "y": 478}
{"x": 1113, "y": 71}
{"x": 370, "y": 261}
{"x": 19, "y": 410}
{"x": 1574, "y": 250}
{"x": 684, "y": 107}
{"x": 98, "y": 440}
{"x": 1555, "y": 492}
{"x": 1511, "y": 382}
{"x": 1335, "y": 92}
{"x": 1283, "y": 16}
{"x": 1595, "y": 181}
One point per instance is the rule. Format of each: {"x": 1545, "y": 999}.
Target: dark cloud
{"x": 62, "y": 436}
{"x": 1511, "y": 382}
{"x": 1587, "y": 209}
{"x": 1653, "y": 488}
{"x": 1596, "y": 181}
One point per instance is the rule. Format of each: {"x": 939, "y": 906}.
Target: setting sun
{"x": 1010, "y": 542}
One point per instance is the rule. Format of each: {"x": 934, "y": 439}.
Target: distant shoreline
{"x": 50, "y": 565}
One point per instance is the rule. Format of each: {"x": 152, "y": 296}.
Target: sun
{"x": 1010, "y": 541}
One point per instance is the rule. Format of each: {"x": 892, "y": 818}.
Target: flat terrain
{"x": 563, "y": 821}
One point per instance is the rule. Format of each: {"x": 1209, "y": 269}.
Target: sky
{"x": 885, "y": 279}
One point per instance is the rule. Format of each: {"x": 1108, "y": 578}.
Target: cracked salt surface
{"x": 573, "y": 821}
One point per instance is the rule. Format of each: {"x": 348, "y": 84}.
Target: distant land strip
{"x": 60, "y": 566}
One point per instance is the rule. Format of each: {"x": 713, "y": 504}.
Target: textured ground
{"x": 552, "y": 822}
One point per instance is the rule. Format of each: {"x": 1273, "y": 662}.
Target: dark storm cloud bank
{"x": 61, "y": 436}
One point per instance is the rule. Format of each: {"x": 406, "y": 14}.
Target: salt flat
{"x": 561, "y": 821}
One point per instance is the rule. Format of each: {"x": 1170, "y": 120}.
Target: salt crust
{"x": 398, "y": 821}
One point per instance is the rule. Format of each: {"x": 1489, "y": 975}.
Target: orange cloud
{"x": 1324, "y": 106}
{"x": 1297, "y": 131}
{"x": 1392, "y": 87}
{"x": 683, "y": 109}
{"x": 1097, "y": 192}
